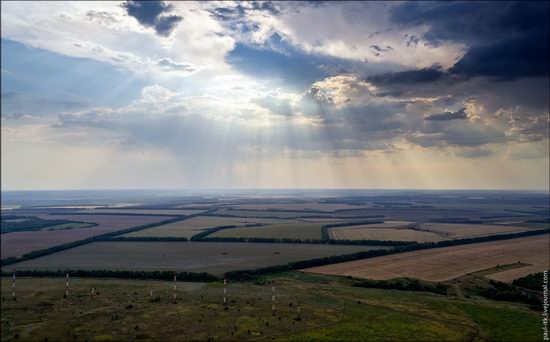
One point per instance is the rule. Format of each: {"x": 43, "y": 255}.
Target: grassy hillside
{"x": 330, "y": 309}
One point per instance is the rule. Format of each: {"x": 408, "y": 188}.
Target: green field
{"x": 211, "y": 257}
{"x": 283, "y": 230}
{"x": 192, "y": 226}
{"x": 330, "y": 310}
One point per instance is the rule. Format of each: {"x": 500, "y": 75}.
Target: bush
{"x": 532, "y": 281}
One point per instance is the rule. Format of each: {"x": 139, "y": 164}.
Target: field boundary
{"x": 298, "y": 217}
{"x": 58, "y": 248}
{"x": 250, "y": 274}
{"x": 117, "y": 214}
{"x": 308, "y": 241}
{"x": 203, "y": 237}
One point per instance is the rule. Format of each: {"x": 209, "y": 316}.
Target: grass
{"x": 285, "y": 230}
{"x": 330, "y": 310}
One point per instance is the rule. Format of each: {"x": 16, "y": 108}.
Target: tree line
{"x": 144, "y": 238}
{"x": 143, "y": 275}
{"x": 404, "y": 284}
{"x": 494, "y": 290}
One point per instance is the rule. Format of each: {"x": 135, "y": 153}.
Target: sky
{"x": 190, "y": 95}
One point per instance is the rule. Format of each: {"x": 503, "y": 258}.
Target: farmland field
{"x": 212, "y": 257}
{"x": 329, "y": 207}
{"x": 458, "y": 231}
{"x": 510, "y": 275}
{"x": 442, "y": 264}
{"x": 330, "y": 309}
{"x": 275, "y": 214}
{"x": 65, "y": 226}
{"x": 143, "y": 211}
{"x": 192, "y": 226}
{"x": 19, "y": 243}
{"x": 385, "y": 224}
{"x": 394, "y": 234}
{"x": 317, "y": 219}
{"x": 281, "y": 230}
{"x": 17, "y": 220}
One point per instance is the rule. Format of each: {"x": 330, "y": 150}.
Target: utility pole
{"x": 174, "y": 288}
{"x": 67, "y": 286}
{"x": 224, "y": 292}
{"x": 13, "y": 286}
{"x": 273, "y": 296}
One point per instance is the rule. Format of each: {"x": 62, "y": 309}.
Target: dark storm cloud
{"x": 151, "y": 14}
{"x": 524, "y": 56}
{"x": 507, "y": 40}
{"x": 377, "y": 50}
{"x": 457, "y": 115}
{"x": 465, "y": 135}
{"x": 426, "y": 75}
{"x": 474, "y": 22}
{"x": 228, "y": 13}
{"x": 238, "y": 12}
{"x": 412, "y": 40}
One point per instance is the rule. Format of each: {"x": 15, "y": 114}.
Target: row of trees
{"x": 532, "y": 281}
{"x": 456, "y": 220}
{"x": 157, "y": 275}
{"x": 299, "y": 217}
{"x": 117, "y": 214}
{"x": 200, "y": 236}
{"x": 510, "y": 293}
{"x": 306, "y": 241}
{"x": 145, "y": 238}
{"x": 494, "y": 290}
{"x": 404, "y": 284}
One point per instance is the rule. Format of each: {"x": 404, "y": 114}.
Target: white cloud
{"x": 103, "y": 31}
